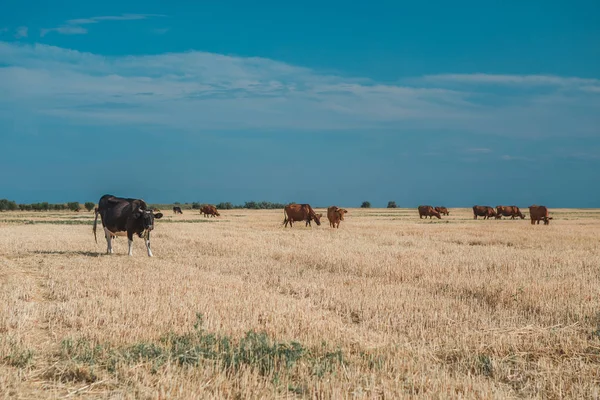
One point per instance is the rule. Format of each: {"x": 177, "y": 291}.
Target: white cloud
{"x": 73, "y": 26}
{"x": 124, "y": 17}
{"x": 527, "y": 80}
{"x": 65, "y": 30}
{"x": 22, "y": 32}
{"x": 507, "y": 157}
{"x": 194, "y": 91}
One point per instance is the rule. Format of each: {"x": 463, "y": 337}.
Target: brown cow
{"x": 209, "y": 210}
{"x": 428, "y": 211}
{"x": 300, "y": 212}
{"x": 508, "y": 211}
{"x": 442, "y": 210}
{"x": 335, "y": 215}
{"x": 539, "y": 213}
{"x": 486, "y": 212}
{"x": 320, "y": 215}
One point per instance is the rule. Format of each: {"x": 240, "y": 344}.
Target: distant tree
{"x": 391, "y": 204}
{"x": 8, "y": 205}
{"x": 365, "y": 204}
{"x": 73, "y": 206}
{"x": 196, "y": 206}
{"x": 224, "y": 206}
{"x": 89, "y": 206}
{"x": 177, "y": 203}
{"x": 252, "y": 205}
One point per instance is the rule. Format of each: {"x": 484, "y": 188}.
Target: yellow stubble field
{"x": 387, "y": 306}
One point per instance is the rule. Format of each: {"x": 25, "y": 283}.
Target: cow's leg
{"x": 148, "y": 245}
{"x": 130, "y": 242}
{"x": 108, "y": 234}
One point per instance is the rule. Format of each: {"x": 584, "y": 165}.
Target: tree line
{"x": 11, "y": 205}
{"x": 251, "y": 205}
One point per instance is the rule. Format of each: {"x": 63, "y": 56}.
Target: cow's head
{"x": 317, "y": 218}
{"x": 341, "y": 213}
{"x": 146, "y": 217}
{"x": 520, "y": 214}
{"x": 217, "y": 213}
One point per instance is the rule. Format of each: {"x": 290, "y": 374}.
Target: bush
{"x": 196, "y": 206}
{"x": 73, "y": 206}
{"x": 262, "y": 205}
{"x": 391, "y": 204}
{"x": 224, "y": 206}
{"x": 8, "y": 205}
{"x": 42, "y": 206}
{"x": 89, "y": 206}
{"x": 365, "y": 204}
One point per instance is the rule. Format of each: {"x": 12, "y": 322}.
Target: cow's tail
{"x": 95, "y": 222}
{"x": 284, "y": 217}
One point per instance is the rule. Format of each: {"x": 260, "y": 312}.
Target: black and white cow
{"x": 122, "y": 216}
{"x": 177, "y": 210}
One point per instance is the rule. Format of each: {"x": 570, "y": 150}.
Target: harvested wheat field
{"x": 237, "y": 306}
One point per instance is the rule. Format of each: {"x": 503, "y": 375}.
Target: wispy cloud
{"x": 197, "y": 90}
{"x": 124, "y": 17}
{"x": 529, "y": 80}
{"x": 22, "y": 32}
{"x": 507, "y": 157}
{"x": 65, "y": 30}
{"x": 74, "y": 26}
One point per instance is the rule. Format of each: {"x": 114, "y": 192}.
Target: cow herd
{"x": 125, "y": 217}
{"x": 536, "y": 213}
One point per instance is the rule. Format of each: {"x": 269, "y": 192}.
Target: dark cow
{"x": 209, "y": 211}
{"x": 335, "y": 215}
{"x": 539, "y": 213}
{"x": 486, "y": 212}
{"x": 300, "y": 212}
{"x": 121, "y": 216}
{"x": 310, "y": 219}
{"x": 442, "y": 210}
{"x": 428, "y": 211}
{"x": 177, "y": 210}
{"x": 508, "y": 211}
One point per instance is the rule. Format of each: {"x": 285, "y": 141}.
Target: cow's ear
{"x": 158, "y": 216}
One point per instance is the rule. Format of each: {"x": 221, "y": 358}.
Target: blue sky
{"x": 434, "y": 103}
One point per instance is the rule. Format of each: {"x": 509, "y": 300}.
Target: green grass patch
{"x": 15, "y": 355}
{"x": 257, "y": 351}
